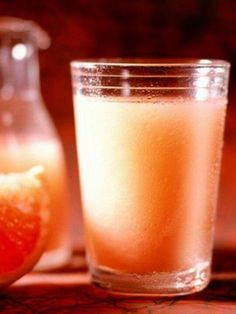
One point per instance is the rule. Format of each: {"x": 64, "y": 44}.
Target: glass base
{"x": 54, "y": 259}
{"x": 153, "y": 284}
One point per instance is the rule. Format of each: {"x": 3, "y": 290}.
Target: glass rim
{"x": 145, "y": 62}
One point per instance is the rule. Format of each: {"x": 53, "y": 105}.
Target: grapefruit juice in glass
{"x": 149, "y": 140}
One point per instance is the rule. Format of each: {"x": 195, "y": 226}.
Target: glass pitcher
{"x": 27, "y": 134}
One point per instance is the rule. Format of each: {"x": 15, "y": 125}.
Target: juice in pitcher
{"x": 27, "y": 134}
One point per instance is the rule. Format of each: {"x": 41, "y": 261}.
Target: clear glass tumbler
{"x": 150, "y": 137}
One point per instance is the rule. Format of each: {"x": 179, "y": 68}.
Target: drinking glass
{"x": 149, "y": 140}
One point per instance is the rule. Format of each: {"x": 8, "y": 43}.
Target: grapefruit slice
{"x": 24, "y": 220}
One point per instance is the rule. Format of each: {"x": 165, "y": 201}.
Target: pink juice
{"x": 149, "y": 177}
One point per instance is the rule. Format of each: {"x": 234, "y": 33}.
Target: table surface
{"x": 69, "y": 290}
